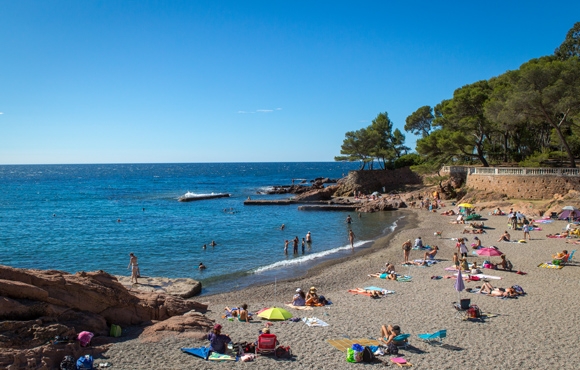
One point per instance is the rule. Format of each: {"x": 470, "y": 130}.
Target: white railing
{"x": 524, "y": 171}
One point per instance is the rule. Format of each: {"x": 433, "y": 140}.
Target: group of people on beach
{"x": 309, "y": 299}
{"x": 306, "y": 241}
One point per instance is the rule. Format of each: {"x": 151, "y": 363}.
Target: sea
{"x": 87, "y": 217}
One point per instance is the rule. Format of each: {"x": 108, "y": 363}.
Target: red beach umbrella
{"x": 490, "y": 252}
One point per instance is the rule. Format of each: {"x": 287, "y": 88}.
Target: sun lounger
{"x": 433, "y": 337}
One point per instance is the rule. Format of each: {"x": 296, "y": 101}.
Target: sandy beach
{"x": 534, "y": 331}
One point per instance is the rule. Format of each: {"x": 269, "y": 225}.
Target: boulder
{"x": 180, "y": 287}
{"x": 37, "y": 305}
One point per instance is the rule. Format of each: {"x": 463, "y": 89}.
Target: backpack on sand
{"x": 68, "y": 363}
{"x": 368, "y": 355}
{"x": 85, "y": 363}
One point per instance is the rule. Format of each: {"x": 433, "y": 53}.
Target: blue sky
{"x": 243, "y": 81}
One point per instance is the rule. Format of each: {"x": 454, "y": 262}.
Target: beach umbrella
{"x": 459, "y": 285}
{"x": 569, "y": 208}
{"x": 275, "y": 313}
{"x": 466, "y": 205}
{"x": 489, "y": 252}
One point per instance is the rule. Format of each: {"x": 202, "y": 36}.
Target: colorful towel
{"x": 219, "y": 357}
{"x": 299, "y": 307}
{"x": 343, "y": 344}
{"x": 382, "y": 290}
{"x": 549, "y": 265}
{"x": 313, "y": 321}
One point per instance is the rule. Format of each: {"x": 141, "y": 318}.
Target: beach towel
{"x": 482, "y": 276}
{"x": 400, "y": 361}
{"x": 219, "y": 357}
{"x": 404, "y": 279}
{"x": 360, "y": 291}
{"x": 313, "y": 321}
{"x": 549, "y": 265}
{"x": 382, "y": 290}
{"x": 305, "y": 308}
{"x": 429, "y": 262}
{"x": 342, "y": 344}
{"x": 454, "y": 269}
{"x": 202, "y": 352}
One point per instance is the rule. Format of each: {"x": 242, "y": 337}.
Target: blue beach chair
{"x": 434, "y": 337}
{"x": 401, "y": 340}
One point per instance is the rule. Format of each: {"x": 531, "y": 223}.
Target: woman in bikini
{"x": 134, "y": 266}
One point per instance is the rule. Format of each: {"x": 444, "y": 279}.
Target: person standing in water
{"x": 348, "y": 219}
{"x": 295, "y": 245}
{"x": 308, "y": 238}
{"x": 134, "y": 266}
{"x": 303, "y": 244}
{"x": 351, "y": 238}
{"x": 286, "y": 246}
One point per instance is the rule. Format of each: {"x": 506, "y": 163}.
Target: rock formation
{"x": 37, "y": 305}
{"x": 368, "y": 181}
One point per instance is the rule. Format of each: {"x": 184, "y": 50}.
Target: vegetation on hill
{"x": 529, "y": 116}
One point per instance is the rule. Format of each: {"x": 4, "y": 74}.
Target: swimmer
{"x": 204, "y": 246}
{"x": 282, "y": 227}
{"x": 118, "y": 220}
{"x": 201, "y": 266}
{"x": 213, "y": 243}
{"x": 348, "y": 219}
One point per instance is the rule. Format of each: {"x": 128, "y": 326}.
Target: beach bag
{"x": 85, "y": 338}
{"x": 509, "y": 266}
{"x": 368, "y": 355}
{"x": 358, "y": 352}
{"x": 473, "y": 312}
{"x": 85, "y": 363}
{"x": 115, "y": 331}
{"x": 283, "y": 352}
{"x": 392, "y": 349}
{"x": 350, "y": 355}
{"x": 68, "y": 363}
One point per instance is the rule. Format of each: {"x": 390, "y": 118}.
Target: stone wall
{"x": 524, "y": 187}
{"x": 369, "y": 181}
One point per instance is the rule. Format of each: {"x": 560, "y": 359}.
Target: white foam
{"x": 197, "y": 195}
{"x": 313, "y": 256}
{"x": 308, "y": 257}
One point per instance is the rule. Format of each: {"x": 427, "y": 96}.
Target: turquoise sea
{"x": 90, "y": 217}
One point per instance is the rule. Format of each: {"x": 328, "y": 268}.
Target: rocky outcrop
{"x": 37, "y": 305}
{"x": 180, "y": 287}
{"x": 385, "y": 181}
{"x": 318, "y": 194}
{"x": 284, "y": 189}
{"x": 382, "y": 204}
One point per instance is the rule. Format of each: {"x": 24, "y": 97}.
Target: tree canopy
{"x": 530, "y": 115}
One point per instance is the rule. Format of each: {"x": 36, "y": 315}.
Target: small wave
{"x": 313, "y": 256}
{"x": 308, "y": 258}
{"x": 197, "y": 195}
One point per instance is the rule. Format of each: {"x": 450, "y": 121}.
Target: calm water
{"x": 65, "y": 217}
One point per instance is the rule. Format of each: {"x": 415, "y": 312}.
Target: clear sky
{"x": 243, "y": 81}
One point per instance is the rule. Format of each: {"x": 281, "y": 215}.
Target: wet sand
{"x": 534, "y": 331}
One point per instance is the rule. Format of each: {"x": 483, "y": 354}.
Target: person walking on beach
{"x": 526, "y": 229}
{"x": 406, "y": 249}
{"x": 295, "y": 244}
{"x": 351, "y": 238}
{"x": 134, "y": 266}
{"x": 286, "y": 246}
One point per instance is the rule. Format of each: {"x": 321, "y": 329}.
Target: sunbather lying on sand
{"x": 474, "y": 231}
{"x": 487, "y": 288}
{"x": 449, "y": 212}
{"x": 384, "y": 275}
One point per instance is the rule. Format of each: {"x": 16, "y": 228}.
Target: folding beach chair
{"x": 570, "y": 256}
{"x": 266, "y": 344}
{"x": 434, "y": 337}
